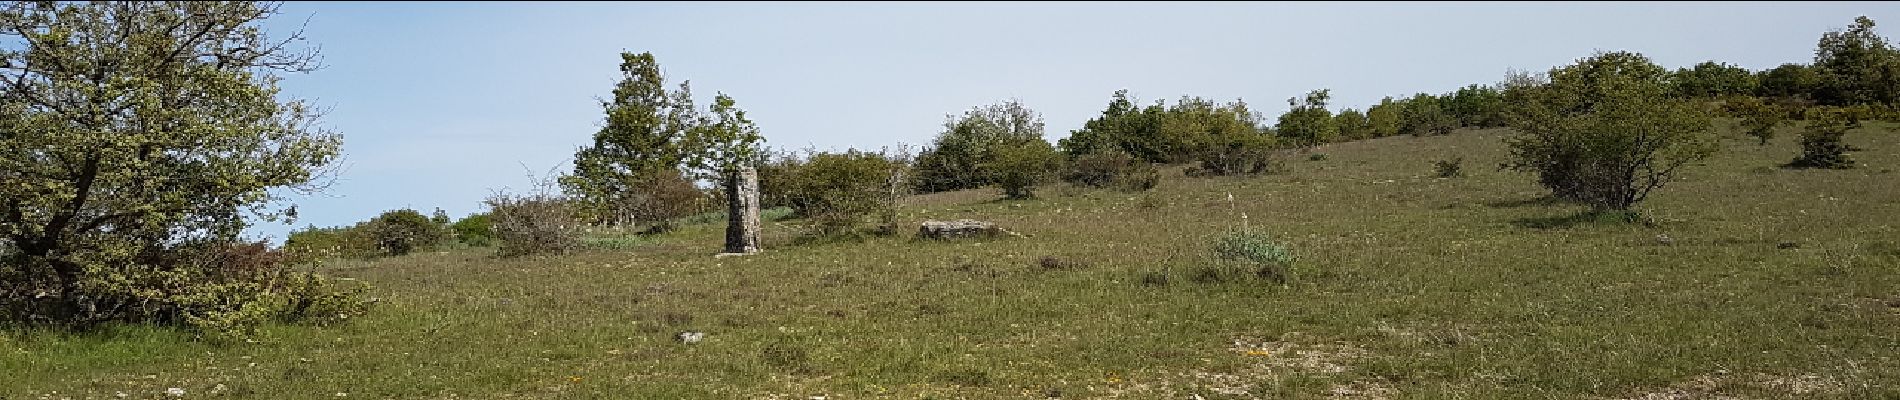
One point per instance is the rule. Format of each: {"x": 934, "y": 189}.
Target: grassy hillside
{"x": 1749, "y": 282}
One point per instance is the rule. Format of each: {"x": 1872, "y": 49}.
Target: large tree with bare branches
{"x": 130, "y": 131}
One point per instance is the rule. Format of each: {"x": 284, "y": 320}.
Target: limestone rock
{"x": 960, "y": 229}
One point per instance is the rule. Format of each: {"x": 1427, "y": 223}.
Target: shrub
{"x": 338, "y": 242}
{"x": 475, "y": 230}
{"x": 968, "y": 153}
{"x": 1603, "y": 132}
{"x": 1112, "y": 168}
{"x": 838, "y": 192}
{"x": 1449, "y": 168}
{"x": 221, "y": 289}
{"x": 1019, "y": 168}
{"x": 1255, "y": 251}
{"x": 1316, "y": 157}
{"x": 1821, "y": 145}
{"x": 1242, "y": 158}
{"x": 399, "y": 232}
{"x": 538, "y": 223}
{"x": 668, "y": 197}
{"x": 1759, "y": 118}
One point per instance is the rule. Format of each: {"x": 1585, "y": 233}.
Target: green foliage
{"x": 724, "y": 141}
{"x": 968, "y": 151}
{"x": 1425, "y": 115}
{"x": 336, "y": 242}
{"x": 1711, "y": 79}
{"x": 1386, "y": 118}
{"x": 1308, "y": 123}
{"x": 1475, "y": 106}
{"x": 1018, "y": 169}
{"x": 1452, "y": 168}
{"x": 474, "y": 230}
{"x": 1252, "y": 251}
{"x": 840, "y": 192}
{"x": 1222, "y": 139}
{"x": 1353, "y": 125}
{"x": 1759, "y": 118}
{"x": 400, "y": 232}
{"x": 1857, "y": 66}
{"x": 1112, "y": 168}
{"x": 1821, "y": 144}
{"x": 1789, "y": 81}
{"x": 1129, "y": 128}
{"x": 1603, "y": 131}
{"x": 648, "y": 134}
{"x": 116, "y": 151}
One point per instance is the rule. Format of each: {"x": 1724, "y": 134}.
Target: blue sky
{"x": 440, "y": 104}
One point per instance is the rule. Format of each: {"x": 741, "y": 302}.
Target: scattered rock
{"x": 1664, "y": 239}
{"x": 690, "y": 337}
{"x": 960, "y": 229}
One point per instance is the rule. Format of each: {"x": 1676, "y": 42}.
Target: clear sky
{"x": 440, "y": 103}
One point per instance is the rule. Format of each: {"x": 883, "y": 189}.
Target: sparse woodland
{"x": 1609, "y": 228}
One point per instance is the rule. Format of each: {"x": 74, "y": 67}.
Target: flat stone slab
{"x": 961, "y": 228}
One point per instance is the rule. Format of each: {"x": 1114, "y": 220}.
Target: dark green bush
{"x": 1821, "y": 144}
{"x": 1452, "y": 168}
{"x": 839, "y": 192}
{"x": 403, "y": 231}
{"x": 1018, "y": 169}
{"x": 1112, "y": 168}
{"x": 474, "y": 230}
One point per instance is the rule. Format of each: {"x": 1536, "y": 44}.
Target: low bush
{"x": 840, "y": 192}
{"x": 1821, "y": 144}
{"x": 403, "y": 231}
{"x": 1249, "y": 252}
{"x": 475, "y": 230}
{"x": 1020, "y": 168}
{"x": 532, "y": 224}
{"x": 1452, "y": 168}
{"x": 1112, "y": 168}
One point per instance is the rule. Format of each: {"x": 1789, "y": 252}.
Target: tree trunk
{"x": 742, "y": 211}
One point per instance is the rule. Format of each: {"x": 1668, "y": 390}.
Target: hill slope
{"x": 1771, "y": 284}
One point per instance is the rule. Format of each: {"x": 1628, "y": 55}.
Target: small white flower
{"x": 175, "y": 392}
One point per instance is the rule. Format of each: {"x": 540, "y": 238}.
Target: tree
{"x": 1604, "y": 132}
{"x": 643, "y": 144}
{"x": 1130, "y": 128}
{"x": 1759, "y": 118}
{"x": 961, "y": 155}
{"x": 723, "y": 142}
{"x": 131, "y": 132}
{"x": 1353, "y": 125}
{"x": 1475, "y": 106}
{"x": 1711, "y": 79}
{"x": 1308, "y": 122}
{"x": 1790, "y": 81}
{"x": 1821, "y": 145}
{"x": 1224, "y": 139}
{"x": 1425, "y": 114}
{"x": 1386, "y": 118}
{"x": 1857, "y": 66}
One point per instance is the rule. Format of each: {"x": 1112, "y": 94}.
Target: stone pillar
{"x": 742, "y": 211}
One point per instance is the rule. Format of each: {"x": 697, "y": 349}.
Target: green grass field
{"x": 1771, "y": 283}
